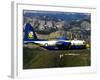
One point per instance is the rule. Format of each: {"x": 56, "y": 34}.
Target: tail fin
{"x": 29, "y": 33}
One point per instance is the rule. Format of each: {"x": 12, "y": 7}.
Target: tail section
{"x": 29, "y": 33}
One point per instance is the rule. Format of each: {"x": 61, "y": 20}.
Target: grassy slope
{"x": 39, "y": 58}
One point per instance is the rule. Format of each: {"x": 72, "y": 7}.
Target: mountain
{"x": 57, "y": 15}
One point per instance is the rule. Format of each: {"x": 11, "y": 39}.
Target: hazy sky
{"x": 57, "y": 15}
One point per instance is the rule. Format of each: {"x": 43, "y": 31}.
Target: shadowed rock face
{"x": 49, "y": 25}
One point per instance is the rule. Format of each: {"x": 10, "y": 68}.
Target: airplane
{"x": 61, "y": 43}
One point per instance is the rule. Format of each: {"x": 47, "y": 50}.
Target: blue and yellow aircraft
{"x": 61, "y": 43}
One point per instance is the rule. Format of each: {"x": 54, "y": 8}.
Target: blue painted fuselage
{"x": 61, "y": 43}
